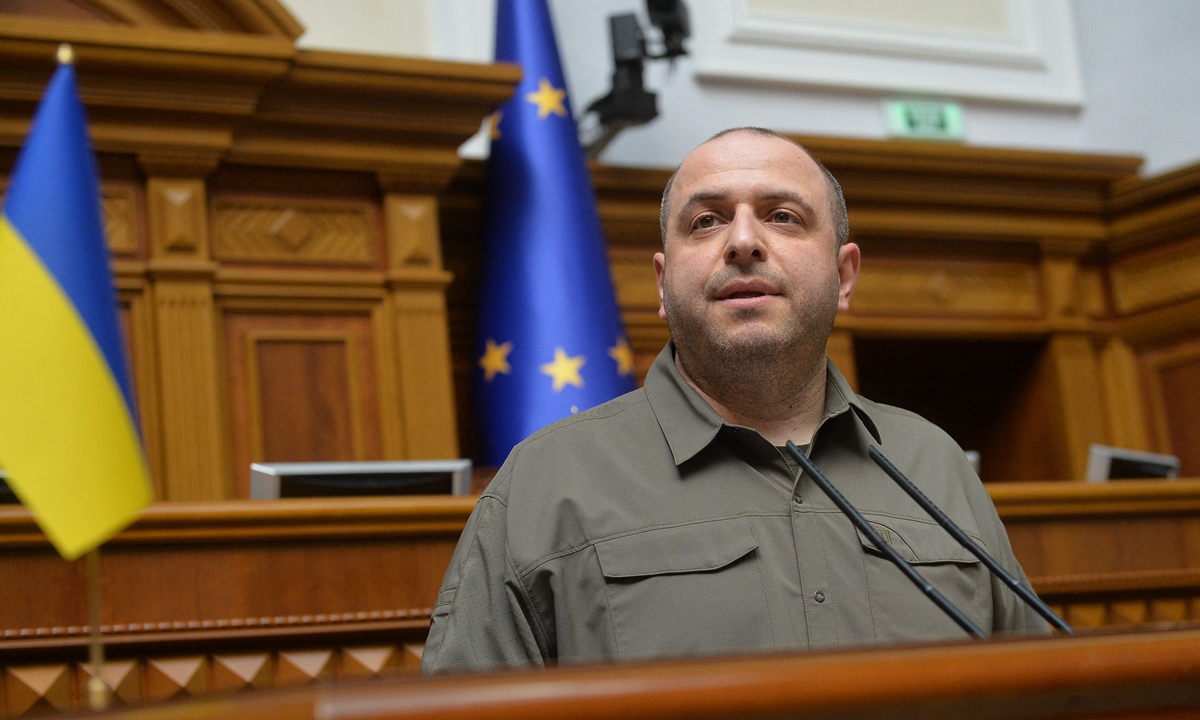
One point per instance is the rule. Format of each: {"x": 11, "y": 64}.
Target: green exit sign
{"x": 924, "y": 119}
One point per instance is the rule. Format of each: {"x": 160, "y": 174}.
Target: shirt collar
{"x": 689, "y": 423}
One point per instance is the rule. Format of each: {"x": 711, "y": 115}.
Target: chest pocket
{"x": 900, "y": 610}
{"x": 686, "y": 590}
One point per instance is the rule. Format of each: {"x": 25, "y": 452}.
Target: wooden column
{"x": 182, "y": 275}
{"x": 417, "y": 299}
{"x": 1123, "y": 394}
{"x": 1072, "y": 353}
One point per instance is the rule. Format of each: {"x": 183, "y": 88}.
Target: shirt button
{"x": 797, "y": 499}
{"x": 819, "y": 596}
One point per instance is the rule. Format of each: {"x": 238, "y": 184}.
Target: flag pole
{"x": 97, "y": 688}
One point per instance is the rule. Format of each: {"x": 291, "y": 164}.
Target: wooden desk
{"x": 203, "y": 598}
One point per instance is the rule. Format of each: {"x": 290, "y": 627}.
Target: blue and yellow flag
{"x": 69, "y": 438}
{"x": 551, "y": 342}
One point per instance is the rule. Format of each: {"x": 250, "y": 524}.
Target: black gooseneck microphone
{"x": 865, "y": 528}
{"x": 1007, "y": 578}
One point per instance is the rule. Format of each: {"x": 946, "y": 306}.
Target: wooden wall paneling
{"x": 1125, "y": 405}
{"x": 1083, "y": 411}
{"x": 841, "y": 351}
{"x": 1159, "y": 276}
{"x": 182, "y": 274}
{"x": 1173, "y": 377}
{"x": 905, "y": 287}
{"x": 417, "y": 284}
{"x": 1030, "y": 441}
{"x": 137, "y": 319}
{"x": 231, "y": 568}
{"x": 302, "y": 386}
{"x": 305, "y": 394}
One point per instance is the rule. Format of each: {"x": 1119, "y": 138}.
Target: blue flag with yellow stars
{"x": 551, "y": 342}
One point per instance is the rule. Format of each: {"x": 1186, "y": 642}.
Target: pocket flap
{"x": 918, "y": 542}
{"x": 695, "y": 547}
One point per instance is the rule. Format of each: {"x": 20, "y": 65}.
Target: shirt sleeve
{"x": 482, "y": 619}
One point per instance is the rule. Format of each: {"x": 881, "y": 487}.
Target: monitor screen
{"x": 271, "y": 481}
{"x": 1113, "y": 463}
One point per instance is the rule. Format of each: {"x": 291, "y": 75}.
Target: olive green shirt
{"x": 649, "y": 527}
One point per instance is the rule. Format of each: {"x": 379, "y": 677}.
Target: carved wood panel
{"x": 32, "y": 690}
{"x": 1157, "y": 277}
{"x": 950, "y": 288}
{"x": 119, "y": 203}
{"x": 1173, "y": 375}
{"x": 293, "y": 231}
{"x": 301, "y": 388}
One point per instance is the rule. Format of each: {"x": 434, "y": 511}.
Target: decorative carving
{"x": 1060, "y": 278}
{"x": 1156, "y": 278}
{"x": 412, "y": 231}
{"x": 231, "y": 673}
{"x": 302, "y": 667}
{"x": 369, "y": 662}
{"x": 174, "y": 677}
{"x": 31, "y": 688}
{"x": 971, "y": 289}
{"x": 177, "y": 222}
{"x": 124, "y": 678}
{"x": 264, "y": 231}
{"x": 120, "y": 220}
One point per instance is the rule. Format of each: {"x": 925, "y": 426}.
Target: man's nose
{"x": 744, "y": 243}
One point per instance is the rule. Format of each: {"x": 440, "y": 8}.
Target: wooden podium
{"x": 1115, "y": 676}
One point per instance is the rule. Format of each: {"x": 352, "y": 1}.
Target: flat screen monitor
{"x": 271, "y": 481}
{"x": 1113, "y": 463}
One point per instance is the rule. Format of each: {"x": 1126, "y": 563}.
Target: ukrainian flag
{"x": 69, "y": 437}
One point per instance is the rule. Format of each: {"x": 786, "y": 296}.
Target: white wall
{"x": 1139, "y": 60}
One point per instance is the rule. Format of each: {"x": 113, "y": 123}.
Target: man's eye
{"x": 705, "y": 222}
{"x": 782, "y": 217}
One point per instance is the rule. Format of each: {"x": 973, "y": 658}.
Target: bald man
{"x": 669, "y": 522}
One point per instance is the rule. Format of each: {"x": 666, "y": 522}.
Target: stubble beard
{"x": 746, "y": 368}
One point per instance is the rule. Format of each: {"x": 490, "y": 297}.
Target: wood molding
{"x": 260, "y": 521}
{"x": 1118, "y": 497}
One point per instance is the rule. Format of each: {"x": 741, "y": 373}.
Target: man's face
{"x": 750, "y": 266}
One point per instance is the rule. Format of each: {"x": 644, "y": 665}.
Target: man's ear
{"x": 849, "y": 258}
{"x": 660, "y": 262}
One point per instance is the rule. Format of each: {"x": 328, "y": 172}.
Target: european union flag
{"x": 551, "y": 342}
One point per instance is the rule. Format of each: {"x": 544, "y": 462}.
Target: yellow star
{"x": 623, "y": 354}
{"x": 495, "y": 359}
{"x": 564, "y": 369}
{"x": 494, "y": 124}
{"x": 548, "y": 99}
